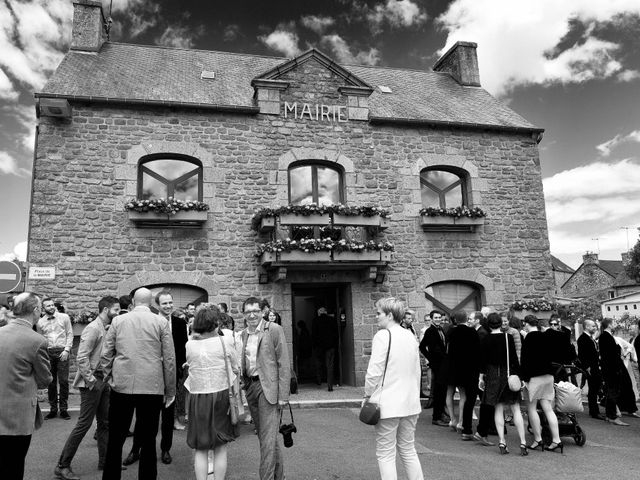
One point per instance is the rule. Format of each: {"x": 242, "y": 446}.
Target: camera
{"x": 286, "y": 431}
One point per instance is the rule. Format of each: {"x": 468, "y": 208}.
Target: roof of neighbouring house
{"x": 620, "y": 297}
{"x": 612, "y": 267}
{"x": 162, "y": 74}
{"x": 559, "y": 266}
{"x": 624, "y": 280}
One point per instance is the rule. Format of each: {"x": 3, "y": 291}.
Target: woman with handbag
{"x": 392, "y": 383}
{"x": 499, "y": 368}
{"x": 537, "y": 373}
{"x": 212, "y": 365}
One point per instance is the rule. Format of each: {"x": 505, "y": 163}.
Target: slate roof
{"x": 623, "y": 280}
{"x": 559, "y": 266}
{"x": 161, "y": 74}
{"x": 612, "y": 267}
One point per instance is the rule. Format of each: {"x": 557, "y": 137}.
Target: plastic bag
{"x": 568, "y": 398}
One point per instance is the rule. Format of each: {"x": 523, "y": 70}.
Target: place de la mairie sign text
{"x": 328, "y": 113}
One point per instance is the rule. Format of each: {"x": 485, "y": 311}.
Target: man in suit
{"x": 266, "y": 376}
{"x": 94, "y": 393}
{"x": 56, "y": 328}
{"x": 324, "y": 335}
{"x": 434, "y": 347}
{"x": 138, "y": 360}
{"x": 590, "y": 361}
{"x": 25, "y": 369}
{"x": 169, "y": 422}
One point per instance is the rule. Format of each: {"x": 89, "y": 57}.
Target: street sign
{"x": 10, "y": 276}
{"x": 42, "y": 273}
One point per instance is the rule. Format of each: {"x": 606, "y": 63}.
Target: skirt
{"x": 496, "y": 388}
{"x": 541, "y": 388}
{"x": 209, "y": 423}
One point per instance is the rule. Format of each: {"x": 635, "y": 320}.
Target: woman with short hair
{"x": 537, "y": 373}
{"x": 209, "y": 426}
{"x": 494, "y": 350}
{"x": 398, "y": 395}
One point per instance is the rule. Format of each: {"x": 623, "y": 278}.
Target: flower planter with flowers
{"x": 360, "y": 216}
{"x": 458, "y": 219}
{"x": 541, "y": 308}
{"x": 314, "y": 219}
{"x": 166, "y": 212}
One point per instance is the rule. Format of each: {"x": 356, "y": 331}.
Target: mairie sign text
{"x": 321, "y": 113}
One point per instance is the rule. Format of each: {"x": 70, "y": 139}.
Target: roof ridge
{"x": 164, "y": 47}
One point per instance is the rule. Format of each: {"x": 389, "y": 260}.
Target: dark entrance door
{"x": 306, "y": 301}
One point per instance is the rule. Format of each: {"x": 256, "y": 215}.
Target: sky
{"x": 570, "y": 67}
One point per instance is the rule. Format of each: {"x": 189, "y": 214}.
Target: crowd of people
{"x": 191, "y": 368}
{"x": 499, "y": 359}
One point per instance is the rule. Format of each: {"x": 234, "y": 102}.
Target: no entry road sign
{"x": 10, "y": 276}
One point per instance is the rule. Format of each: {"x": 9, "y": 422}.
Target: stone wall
{"x": 588, "y": 278}
{"x": 86, "y": 169}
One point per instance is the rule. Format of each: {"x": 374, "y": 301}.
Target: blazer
{"x": 180, "y": 338}
{"x": 25, "y": 369}
{"x": 400, "y": 393}
{"x": 138, "y": 356}
{"x": 610, "y": 357}
{"x": 588, "y": 354}
{"x": 272, "y": 362}
{"x": 433, "y": 347}
{"x": 536, "y": 359}
{"x": 462, "y": 356}
{"x": 89, "y": 352}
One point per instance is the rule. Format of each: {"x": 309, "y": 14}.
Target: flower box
{"x": 450, "y": 224}
{"x": 315, "y": 219}
{"x": 267, "y": 224}
{"x": 301, "y": 256}
{"x": 540, "y": 314}
{"x": 357, "y": 220}
{"x": 179, "y": 219}
{"x": 362, "y": 256}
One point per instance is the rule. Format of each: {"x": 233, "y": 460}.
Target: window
{"x": 635, "y": 307}
{"x": 452, "y": 296}
{"x": 608, "y": 309}
{"x": 162, "y": 177}
{"x": 611, "y": 294}
{"x": 445, "y": 188}
{"x": 617, "y": 307}
{"x": 314, "y": 183}
{"x": 626, "y": 307}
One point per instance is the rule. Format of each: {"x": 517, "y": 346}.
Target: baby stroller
{"x": 567, "y": 422}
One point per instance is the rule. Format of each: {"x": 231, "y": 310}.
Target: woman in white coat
{"x": 399, "y": 397}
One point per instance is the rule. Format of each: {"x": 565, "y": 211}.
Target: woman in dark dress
{"x": 537, "y": 373}
{"x": 462, "y": 356}
{"x": 493, "y": 378}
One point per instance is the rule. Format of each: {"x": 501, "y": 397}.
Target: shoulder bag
{"x": 234, "y": 412}
{"x": 514, "y": 382}
{"x": 370, "y": 411}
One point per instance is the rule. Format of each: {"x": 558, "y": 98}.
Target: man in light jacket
{"x": 266, "y": 376}
{"x": 94, "y": 392}
{"x": 25, "y": 369}
{"x": 138, "y": 360}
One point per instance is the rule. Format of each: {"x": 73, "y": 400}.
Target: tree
{"x": 633, "y": 267}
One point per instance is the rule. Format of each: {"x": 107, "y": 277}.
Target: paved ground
{"x": 333, "y": 444}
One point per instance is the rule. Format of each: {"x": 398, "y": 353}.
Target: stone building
{"x": 595, "y": 278}
{"x": 240, "y": 132}
{"x": 561, "y": 273}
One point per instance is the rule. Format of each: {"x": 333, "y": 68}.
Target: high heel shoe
{"x": 556, "y": 446}
{"x": 537, "y": 444}
{"x": 503, "y": 448}
{"x": 453, "y": 426}
{"x": 459, "y": 428}
{"x": 523, "y": 450}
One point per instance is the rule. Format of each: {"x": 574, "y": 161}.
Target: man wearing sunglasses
{"x": 266, "y": 374}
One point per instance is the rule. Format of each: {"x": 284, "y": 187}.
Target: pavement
{"x": 331, "y": 443}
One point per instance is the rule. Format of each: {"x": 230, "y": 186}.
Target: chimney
{"x": 461, "y": 62}
{"x": 590, "y": 258}
{"x": 89, "y": 31}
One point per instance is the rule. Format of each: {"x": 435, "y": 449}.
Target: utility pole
{"x": 597, "y": 240}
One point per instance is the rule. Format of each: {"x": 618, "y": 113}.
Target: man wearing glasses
{"x": 266, "y": 375}
{"x": 562, "y": 350}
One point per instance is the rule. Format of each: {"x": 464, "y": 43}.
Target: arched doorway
{"x": 455, "y": 295}
{"x": 182, "y": 294}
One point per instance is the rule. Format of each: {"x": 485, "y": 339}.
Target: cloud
{"x": 19, "y": 253}
{"x": 25, "y": 116}
{"x": 7, "y": 90}
{"x": 231, "y": 32}
{"x": 606, "y": 147}
{"x": 397, "y": 14}
{"x": 283, "y": 41}
{"x": 521, "y": 43}
{"x": 9, "y": 166}
{"x": 343, "y": 53}
{"x": 178, "y": 37}
{"x": 143, "y": 19}
{"x": 317, "y": 23}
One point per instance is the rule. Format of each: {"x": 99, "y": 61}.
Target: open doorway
{"x": 335, "y": 322}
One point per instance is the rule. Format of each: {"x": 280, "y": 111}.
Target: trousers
{"x": 595, "y": 382}
{"x": 397, "y": 433}
{"x": 121, "y": 408}
{"x": 325, "y": 358}
{"x": 93, "y": 404}
{"x": 266, "y": 418}
{"x": 60, "y": 372}
{"x": 13, "y": 451}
